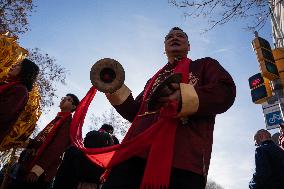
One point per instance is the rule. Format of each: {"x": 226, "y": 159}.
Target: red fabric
{"x": 7, "y": 85}
{"x": 281, "y": 140}
{"x": 64, "y": 116}
{"x": 13, "y": 98}
{"x": 158, "y": 139}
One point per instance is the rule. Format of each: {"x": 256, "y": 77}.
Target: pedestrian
{"x": 269, "y": 163}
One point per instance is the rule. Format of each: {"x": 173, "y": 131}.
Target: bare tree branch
{"x": 14, "y": 16}
{"x": 111, "y": 117}
{"x": 219, "y": 12}
{"x": 50, "y": 75}
{"x": 213, "y": 185}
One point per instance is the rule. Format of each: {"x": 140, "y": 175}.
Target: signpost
{"x": 272, "y": 114}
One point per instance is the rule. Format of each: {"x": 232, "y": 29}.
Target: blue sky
{"x": 78, "y": 33}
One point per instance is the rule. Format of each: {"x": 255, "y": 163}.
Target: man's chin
{"x": 176, "y": 54}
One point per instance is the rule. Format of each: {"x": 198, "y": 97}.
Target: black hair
{"x": 115, "y": 140}
{"x": 97, "y": 139}
{"x": 75, "y": 99}
{"x": 177, "y": 28}
{"x": 28, "y": 73}
{"x": 106, "y": 127}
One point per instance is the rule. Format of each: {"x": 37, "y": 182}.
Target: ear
{"x": 73, "y": 107}
{"x": 188, "y": 47}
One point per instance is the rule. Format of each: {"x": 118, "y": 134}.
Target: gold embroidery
{"x": 192, "y": 79}
{"x": 168, "y": 70}
{"x": 43, "y": 134}
{"x": 147, "y": 113}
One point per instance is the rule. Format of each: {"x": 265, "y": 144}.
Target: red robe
{"x": 49, "y": 146}
{"x": 13, "y": 100}
{"x": 193, "y": 142}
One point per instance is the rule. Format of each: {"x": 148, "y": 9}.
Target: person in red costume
{"x": 179, "y": 154}
{"x": 14, "y": 93}
{"x": 42, "y": 156}
{"x": 281, "y": 136}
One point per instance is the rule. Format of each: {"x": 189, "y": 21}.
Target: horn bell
{"x": 107, "y": 75}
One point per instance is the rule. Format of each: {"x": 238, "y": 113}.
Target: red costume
{"x": 210, "y": 90}
{"x": 45, "y": 150}
{"x": 281, "y": 136}
{"x": 281, "y": 141}
{"x": 13, "y": 98}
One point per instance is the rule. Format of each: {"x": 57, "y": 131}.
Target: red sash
{"x": 7, "y": 85}
{"x": 58, "y": 123}
{"x": 158, "y": 139}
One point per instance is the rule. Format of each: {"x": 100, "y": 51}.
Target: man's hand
{"x": 169, "y": 92}
{"x": 31, "y": 177}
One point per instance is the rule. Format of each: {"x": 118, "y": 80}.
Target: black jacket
{"x": 269, "y": 167}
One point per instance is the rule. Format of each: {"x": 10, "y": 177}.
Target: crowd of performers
{"x": 168, "y": 147}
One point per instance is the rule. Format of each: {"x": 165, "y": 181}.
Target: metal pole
{"x": 278, "y": 36}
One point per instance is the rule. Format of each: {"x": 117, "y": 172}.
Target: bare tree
{"x": 50, "y": 75}
{"x": 14, "y": 16}
{"x": 213, "y": 185}
{"x": 14, "y": 19}
{"x": 111, "y": 117}
{"x": 219, "y": 12}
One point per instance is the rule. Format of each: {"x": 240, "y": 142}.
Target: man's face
{"x": 66, "y": 104}
{"x": 176, "y": 44}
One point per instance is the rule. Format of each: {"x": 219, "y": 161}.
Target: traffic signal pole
{"x": 277, "y": 22}
{"x": 267, "y": 86}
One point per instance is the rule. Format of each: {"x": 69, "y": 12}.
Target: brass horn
{"x": 107, "y": 75}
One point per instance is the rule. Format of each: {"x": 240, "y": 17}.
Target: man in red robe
{"x": 42, "y": 156}
{"x": 206, "y": 89}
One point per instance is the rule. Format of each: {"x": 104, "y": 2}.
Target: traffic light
{"x": 278, "y": 55}
{"x": 265, "y": 58}
{"x": 260, "y": 88}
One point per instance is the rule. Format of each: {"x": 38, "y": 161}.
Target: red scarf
{"x": 158, "y": 139}
{"x": 50, "y": 136}
{"x": 5, "y": 86}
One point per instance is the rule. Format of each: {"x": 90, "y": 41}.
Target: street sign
{"x": 273, "y": 119}
{"x": 272, "y": 114}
